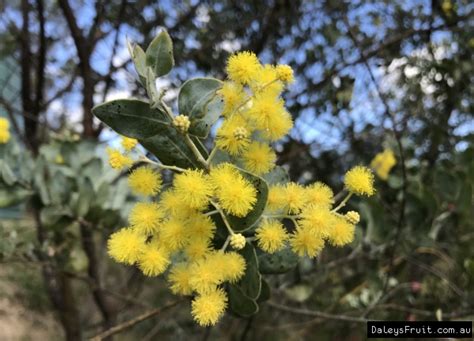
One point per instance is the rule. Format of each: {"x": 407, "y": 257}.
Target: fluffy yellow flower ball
{"x": 117, "y": 160}
{"x": 153, "y": 261}
{"x": 383, "y": 163}
{"x": 193, "y": 188}
{"x": 342, "y": 232}
{"x": 319, "y": 194}
{"x": 271, "y": 236}
{"x": 305, "y": 242}
{"x": 179, "y": 279}
{"x": 145, "y": 217}
{"x": 126, "y": 245}
{"x": 208, "y": 308}
{"x": 259, "y": 158}
{"x": 145, "y": 181}
{"x": 360, "y": 180}
{"x": 243, "y": 67}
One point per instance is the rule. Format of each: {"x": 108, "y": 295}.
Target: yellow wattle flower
{"x": 145, "y": 181}
{"x": 259, "y": 158}
{"x": 193, "y": 188}
{"x": 208, "y": 308}
{"x": 145, "y": 217}
{"x": 319, "y": 194}
{"x": 153, "y": 261}
{"x": 117, "y": 160}
{"x": 360, "y": 180}
{"x": 342, "y": 232}
{"x": 305, "y": 242}
{"x": 179, "y": 279}
{"x": 271, "y": 236}
{"x": 128, "y": 143}
{"x": 126, "y": 245}
{"x": 243, "y": 67}
{"x": 233, "y": 95}
{"x": 383, "y": 163}
{"x": 317, "y": 218}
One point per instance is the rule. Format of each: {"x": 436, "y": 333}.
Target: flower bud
{"x": 285, "y": 73}
{"x": 182, "y": 123}
{"x": 353, "y": 217}
{"x": 237, "y": 241}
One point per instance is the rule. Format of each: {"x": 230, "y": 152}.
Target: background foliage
{"x": 369, "y": 74}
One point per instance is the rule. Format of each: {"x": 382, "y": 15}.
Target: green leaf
{"x": 277, "y": 263}
{"x": 7, "y": 174}
{"x": 245, "y": 223}
{"x": 278, "y": 175}
{"x": 241, "y": 304}
{"x": 197, "y": 99}
{"x": 250, "y": 284}
{"x": 265, "y": 292}
{"x": 151, "y": 89}
{"x": 219, "y": 157}
{"x": 171, "y": 149}
{"x": 86, "y": 196}
{"x": 139, "y": 59}
{"x": 159, "y": 54}
{"x": 132, "y": 118}
{"x": 51, "y": 215}
{"x": 152, "y": 127}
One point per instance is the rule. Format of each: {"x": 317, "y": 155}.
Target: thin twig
{"x": 130, "y": 323}
{"x": 316, "y": 313}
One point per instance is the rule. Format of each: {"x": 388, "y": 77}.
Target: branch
{"x": 315, "y": 313}
{"x": 130, "y": 323}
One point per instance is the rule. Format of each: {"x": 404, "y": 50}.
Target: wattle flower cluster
{"x": 173, "y": 230}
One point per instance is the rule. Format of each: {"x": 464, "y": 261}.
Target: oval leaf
{"x": 241, "y": 304}
{"x": 251, "y": 283}
{"x": 159, "y": 54}
{"x": 132, "y": 118}
{"x": 277, "y": 263}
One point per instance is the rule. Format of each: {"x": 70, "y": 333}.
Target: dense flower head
{"x": 317, "y": 218}
{"x": 208, "y": 308}
{"x": 126, "y": 245}
{"x": 352, "y": 217}
{"x": 267, "y": 80}
{"x": 145, "y": 217}
{"x": 319, "y": 194}
{"x": 271, "y": 236}
{"x": 193, "y": 188}
{"x": 306, "y": 242}
{"x": 285, "y": 73}
{"x": 259, "y": 158}
{"x": 236, "y": 195}
{"x": 145, "y": 181}
{"x": 342, "y": 232}
{"x": 128, "y": 143}
{"x": 179, "y": 279}
{"x": 383, "y": 163}
{"x": 243, "y": 67}
{"x": 230, "y": 137}
{"x": 153, "y": 261}
{"x": 117, "y": 160}
{"x": 197, "y": 248}
{"x": 173, "y": 234}
{"x": 360, "y": 180}
{"x": 200, "y": 226}
{"x": 232, "y": 266}
{"x": 276, "y": 201}
{"x": 295, "y": 197}
{"x": 233, "y": 95}
{"x": 205, "y": 275}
